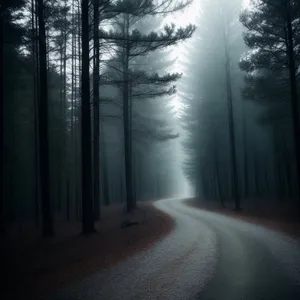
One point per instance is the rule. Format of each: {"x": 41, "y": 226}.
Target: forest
{"x": 88, "y": 115}
{"x": 86, "y": 118}
{"x": 161, "y": 128}
{"x": 241, "y": 104}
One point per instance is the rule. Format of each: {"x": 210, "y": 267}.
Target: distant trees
{"x": 209, "y": 93}
{"x": 258, "y": 74}
{"x": 131, "y": 43}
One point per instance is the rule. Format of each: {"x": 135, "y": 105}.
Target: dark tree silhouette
{"x": 277, "y": 42}
{"x": 43, "y": 126}
{"x": 86, "y": 160}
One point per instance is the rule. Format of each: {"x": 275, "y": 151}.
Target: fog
{"x": 174, "y": 99}
{"x": 138, "y": 138}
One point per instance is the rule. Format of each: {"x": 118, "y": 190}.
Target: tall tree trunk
{"x": 60, "y": 131}
{"x": 36, "y": 107}
{"x": 86, "y": 156}
{"x": 64, "y": 175}
{"x": 130, "y": 109}
{"x": 126, "y": 124}
{"x": 256, "y": 173}
{"x": 104, "y": 164}
{"x": 71, "y": 168}
{"x": 217, "y": 172}
{"x": 2, "y": 225}
{"x": 134, "y": 171}
{"x": 77, "y": 135}
{"x": 234, "y": 174}
{"x": 43, "y": 127}
{"x": 75, "y": 115}
{"x": 68, "y": 199}
{"x": 294, "y": 94}
{"x": 245, "y": 148}
{"x": 96, "y": 100}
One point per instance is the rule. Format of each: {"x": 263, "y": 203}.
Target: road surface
{"x": 207, "y": 256}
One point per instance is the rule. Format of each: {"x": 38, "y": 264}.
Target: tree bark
{"x": 86, "y": 156}
{"x": 294, "y": 94}
{"x": 126, "y": 124}
{"x": 2, "y": 225}
{"x": 36, "y": 107}
{"x": 217, "y": 172}
{"x": 234, "y": 174}
{"x": 43, "y": 128}
{"x": 256, "y": 173}
{"x": 104, "y": 164}
{"x": 77, "y": 135}
{"x": 96, "y": 100}
{"x": 246, "y": 179}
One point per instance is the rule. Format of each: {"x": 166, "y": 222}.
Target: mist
{"x": 146, "y": 126}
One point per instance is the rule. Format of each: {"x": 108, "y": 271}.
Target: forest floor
{"x": 34, "y": 267}
{"x": 283, "y": 220}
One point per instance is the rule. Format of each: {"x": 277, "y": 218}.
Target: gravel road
{"x": 207, "y": 256}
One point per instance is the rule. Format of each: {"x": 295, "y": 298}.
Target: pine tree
{"x": 132, "y": 43}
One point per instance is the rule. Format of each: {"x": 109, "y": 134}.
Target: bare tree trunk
{"x": 132, "y": 165}
{"x": 72, "y": 165}
{"x": 234, "y": 174}
{"x": 294, "y": 93}
{"x": 86, "y": 156}
{"x": 217, "y": 172}
{"x": 61, "y": 130}
{"x": 2, "y": 223}
{"x": 43, "y": 127}
{"x": 104, "y": 164}
{"x": 246, "y": 180}
{"x": 77, "y": 135}
{"x": 75, "y": 115}
{"x": 68, "y": 199}
{"x": 64, "y": 174}
{"x": 256, "y": 172}
{"x": 36, "y": 107}
{"x": 126, "y": 124}
{"x": 96, "y": 100}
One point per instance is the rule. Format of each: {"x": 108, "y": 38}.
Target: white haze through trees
{"x": 192, "y": 14}
{"x": 199, "y": 161}
{"x": 202, "y": 104}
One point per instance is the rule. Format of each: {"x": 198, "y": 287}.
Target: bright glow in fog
{"x": 190, "y": 15}
{"x": 246, "y": 3}
{"x": 181, "y": 19}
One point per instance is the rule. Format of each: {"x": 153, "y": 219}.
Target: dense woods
{"x": 241, "y": 104}
{"x": 149, "y": 146}
{"x": 85, "y": 97}
{"x": 86, "y": 106}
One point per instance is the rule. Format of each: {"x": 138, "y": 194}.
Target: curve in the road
{"x": 207, "y": 256}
